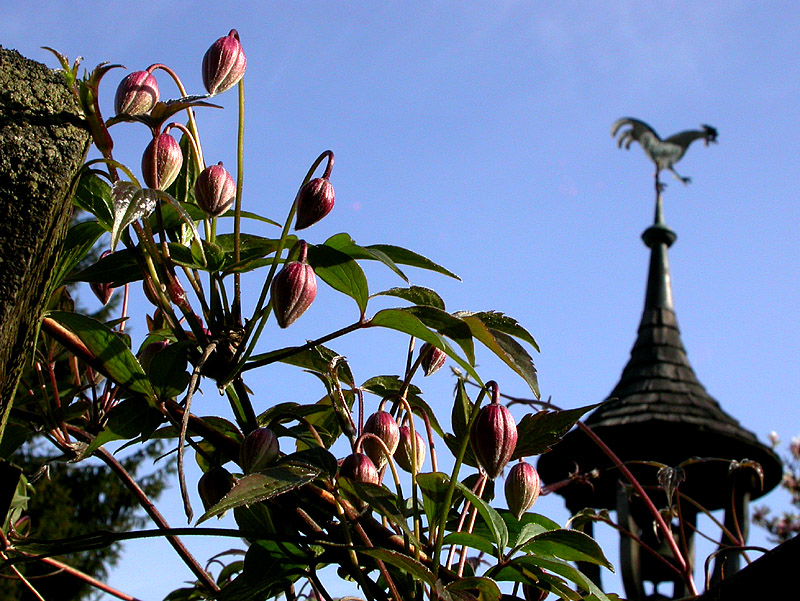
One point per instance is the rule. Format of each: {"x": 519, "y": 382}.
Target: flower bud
{"x": 215, "y": 190}
{"x": 433, "y": 358}
{"x": 214, "y": 485}
{"x": 314, "y": 201}
{"x": 102, "y": 290}
{"x": 493, "y": 435}
{"x": 258, "y": 450}
{"x": 157, "y": 321}
{"x": 531, "y": 592}
{"x": 403, "y": 455}
{"x": 137, "y": 94}
{"x": 522, "y": 488}
{"x": 224, "y": 64}
{"x": 382, "y": 425}
{"x": 293, "y": 289}
{"x": 161, "y": 162}
{"x": 360, "y": 468}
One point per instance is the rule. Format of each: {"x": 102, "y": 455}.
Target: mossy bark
{"x": 42, "y": 146}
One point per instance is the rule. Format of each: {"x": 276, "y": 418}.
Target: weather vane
{"x": 664, "y": 153}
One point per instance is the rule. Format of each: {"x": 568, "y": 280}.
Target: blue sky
{"x": 478, "y": 133}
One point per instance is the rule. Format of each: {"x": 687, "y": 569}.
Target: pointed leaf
{"x": 474, "y": 589}
{"x": 447, "y": 325}
{"x": 80, "y": 239}
{"x": 505, "y": 347}
{"x": 346, "y": 244}
{"x": 340, "y": 272}
{"x": 571, "y": 545}
{"x": 129, "y": 419}
{"x": 537, "y": 432}
{"x": 130, "y": 203}
{"x": 407, "y": 564}
{"x": 496, "y": 525}
{"x": 116, "y": 359}
{"x": 434, "y": 491}
{"x": 557, "y": 566}
{"x": 472, "y": 540}
{"x": 417, "y": 295}
{"x": 381, "y": 500}
{"x": 498, "y": 321}
{"x": 118, "y": 268}
{"x": 93, "y": 194}
{"x": 404, "y": 256}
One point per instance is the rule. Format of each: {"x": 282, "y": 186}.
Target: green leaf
{"x": 129, "y": 419}
{"x": 118, "y": 363}
{"x": 403, "y": 320}
{"x": 118, "y": 268}
{"x": 417, "y": 295}
{"x": 316, "y": 359}
{"x": 346, "y": 244}
{"x": 130, "y": 204}
{"x": 267, "y": 484}
{"x": 570, "y": 545}
{"x": 381, "y": 500}
{"x": 552, "y": 564}
{"x": 472, "y": 540}
{"x": 503, "y": 323}
{"x": 505, "y": 347}
{"x": 403, "y": 256}
{"x": 167, "y": 370}
{"x": 490, "y": 516}
{"x": 93, "y": 194}
{"x": 433, "y": 486}
{"x": 340, "y": 272}
{"x": 80, "y": 239}
{"x": 474, "y": 589}
{"x": 539, "y": 431}
{"x": 407, "y": 564}
{"x": 447, "y": 325}
{"x": 182, "y": 189}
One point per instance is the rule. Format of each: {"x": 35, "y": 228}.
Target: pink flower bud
{"x": 493, "y": 435}
{"x": 403, "y": 455}
{"x": 382, "y": 425}
{"x": 161, "y": 162}
{"x": 522, "y": 488}
{"x": 137, "y": 94}
{"x": 214, "y": 485}
{"x": 433, "y": 358}
{"x": 314, "y": 201}
{"x": 215, "y": 190}
{"x": 259, "y": 449}
{"x": 360, "y": 468}
{"x": 293, "y": 289}
{"x": 224, "y": 64}
{"x": 102, "y": 290}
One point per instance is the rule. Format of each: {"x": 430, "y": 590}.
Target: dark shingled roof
{"x": 658, "y": 411}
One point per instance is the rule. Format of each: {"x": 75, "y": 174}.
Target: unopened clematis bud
{"x": 259, "y": 449}
{"x": 224, "y": 64}
{"x": 102, "y": 290}
{"x": 214, "y": 485}
{"x": 293, "y": 289}
{"x": 314, "y": 201}
{"x": 360, "y": 468}
{"x": 382, "y": 425}
{"x": 522, "y": 488}
{"x": 161, "y": 162}
{"x": 433, "y": 358}
{"x": 149, "y": 352}
{"x": 215, "y": 190}
{"x": 137, "y": 94}
{"x": 404, "y": 453}
{"x": 493, "y": 435}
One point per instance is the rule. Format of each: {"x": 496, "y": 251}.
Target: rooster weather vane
{"x": 664, "y": 153}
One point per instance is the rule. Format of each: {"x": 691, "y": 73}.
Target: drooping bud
{"x": 382, "y": 425}
{"x": 403, "y": 455}
{"x": 259, "y": 449}
{"x": 150, "y": 351}
{"x": 156, "y": 322}
{"x": 161, "y": 161}
{"x": 293, "y": 289}
{"x": 314, "y": 201}
{"x": 215, "y": 190}
{"x": 102, "y": 290}
{"x": 224, "y": 64}
{"x": 214, "y": 485}
{"x": 360, "y": 468}
{"x": 137, "y": 94}
{"x": 433, "y": 358}
{"x": 493, "y": 435}
{"x": 522, "y": 488}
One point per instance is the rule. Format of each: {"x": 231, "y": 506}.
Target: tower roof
{"x": 658, "y": 412}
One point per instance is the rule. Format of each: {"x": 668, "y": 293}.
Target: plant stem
{"x": 157, "y": 518}
{"x": 237, "y": 217}
{"x": 87, "y": 578}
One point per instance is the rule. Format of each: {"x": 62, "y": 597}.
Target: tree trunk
{"x": 42, "y": 146}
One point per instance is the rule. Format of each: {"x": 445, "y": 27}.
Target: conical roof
{"x": 658, "y": 412}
